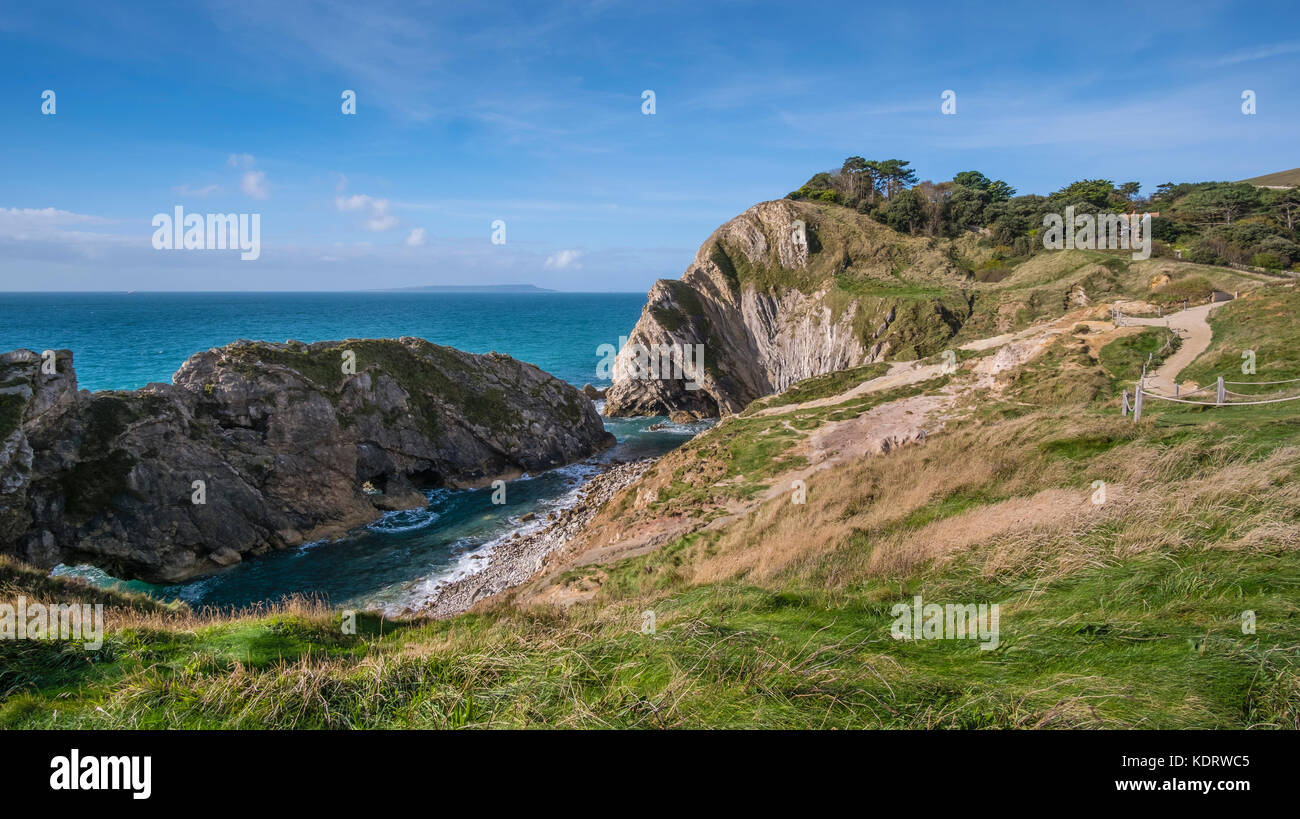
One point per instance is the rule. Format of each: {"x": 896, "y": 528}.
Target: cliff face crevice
{"x": 785, "y": 291}
{"x": 259, "y": 446}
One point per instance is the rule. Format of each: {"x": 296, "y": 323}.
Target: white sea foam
{"x": 406, "y": 520}
{"x": 474, "y": 560}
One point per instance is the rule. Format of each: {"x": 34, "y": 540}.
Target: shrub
{"x": 1267, "y": 260}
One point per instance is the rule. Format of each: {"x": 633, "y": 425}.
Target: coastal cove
{"x": 124, "y": 341}
{"x": 397, "y": 562}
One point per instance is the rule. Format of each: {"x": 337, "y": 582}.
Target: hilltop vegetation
{"x": 1207, "y": 222}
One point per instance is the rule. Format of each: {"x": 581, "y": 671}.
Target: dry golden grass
{"x": 183, "y": 618}
{"x": 1023, "y": 511}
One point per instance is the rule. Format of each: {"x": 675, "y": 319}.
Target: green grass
{"x": 1150, "y": 642}
{"x": 746, "y": 454}
{"x": 1124, "y": 358}
{"x": 821, "y": 386}
{"x": 1264, "y": 323}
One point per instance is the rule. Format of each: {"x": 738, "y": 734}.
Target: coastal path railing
{"x": 1223, "y": 397}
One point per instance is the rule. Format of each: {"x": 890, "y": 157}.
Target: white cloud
{"x": 379, "y": 218}
{"x": 26, "y": 223}
{"x": 380, "y": 222}
{"x": 417, "y": 238}
{"x": 563, "y": 260}
{"x": 356, "y": 201}
{"x": 254, "y": 184}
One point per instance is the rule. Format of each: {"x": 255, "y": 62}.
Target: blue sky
{"x": 531, "y": 113}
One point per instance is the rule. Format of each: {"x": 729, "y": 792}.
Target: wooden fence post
{"x": 1220, "y": 395}
{"x": 1123, "y": 408}
{"x": 1137, "y": 404}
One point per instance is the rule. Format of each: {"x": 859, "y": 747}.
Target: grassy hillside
{"x": 1121, "y": 614}
{"x": 1291, "y": 178}
{"x": 1267, "y": 325}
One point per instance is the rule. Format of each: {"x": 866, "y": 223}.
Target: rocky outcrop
{"x": 785, "y": 291}
{"x": 258, "y": 446}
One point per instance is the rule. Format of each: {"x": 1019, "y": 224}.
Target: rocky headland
{"x": 258, "y": 446}
{"x": 774, "y": 298}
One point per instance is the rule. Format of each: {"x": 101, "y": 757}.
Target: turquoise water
{"x": 124, "y": 341}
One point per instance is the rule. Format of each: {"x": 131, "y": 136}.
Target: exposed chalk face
{"x": 759, "y": 300}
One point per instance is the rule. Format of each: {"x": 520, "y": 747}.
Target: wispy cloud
{"x": 1262, "y": 52}
{"x": 26, "y": 223}
{"x": 203, "y": 192}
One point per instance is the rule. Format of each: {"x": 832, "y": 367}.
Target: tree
{"x": 1099, "y": 194}
{"x": 905, "y": 212}
{"x": 1000, "y": 191}
{"x": 934, "y": 206}
{"x": 966, "y": 207}
{"x": 876, "y": 177}
{"x": 896, "y": 175}
{"x": 972, "y": 179}
{"x": 1220, "y": 203}
{"x": 1283, "y": 204}
{"x": 1014, "y": 218}
{"x": 855, "y": 170}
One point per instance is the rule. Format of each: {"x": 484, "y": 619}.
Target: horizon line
{"x": 417, "y": 290}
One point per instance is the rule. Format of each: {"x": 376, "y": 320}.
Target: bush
{"x": 1267, "y": 260}
{"x": 1193, "y": 288}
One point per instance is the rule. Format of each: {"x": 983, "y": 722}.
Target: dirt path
{"x": 900, "y": 374}
{"x": 1193, "y": 327}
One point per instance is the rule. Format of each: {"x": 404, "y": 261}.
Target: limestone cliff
{"x": 785, "y": 291}
{"x": 289, "y": 444}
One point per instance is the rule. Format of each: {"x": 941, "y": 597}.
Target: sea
{"x": 123, "y": 341}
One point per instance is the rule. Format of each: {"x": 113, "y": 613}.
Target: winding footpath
{"x": 1193, "y": 327}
